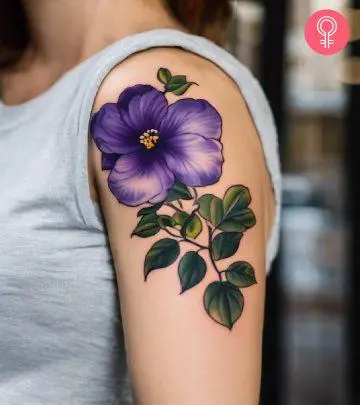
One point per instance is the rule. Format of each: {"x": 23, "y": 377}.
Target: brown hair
{"x": 209, "y": 18}
{"x": 202, "y": 17}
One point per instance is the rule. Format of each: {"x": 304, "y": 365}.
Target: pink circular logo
{"x": 327, "y": 32}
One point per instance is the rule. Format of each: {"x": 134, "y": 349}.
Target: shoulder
{"x": 143, "y": 67}
{"x": 205, "y": 97}
{"x": 192, "y": 78}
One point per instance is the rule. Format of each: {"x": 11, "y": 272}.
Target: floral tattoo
{"x": 159, "y": 154}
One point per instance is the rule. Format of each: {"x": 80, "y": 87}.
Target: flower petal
{"x": 140, "y": 178}
{"x": 189, "y": 116}
{"x": 111, "y": 134}
{"x": 194, "y": 160}
{"x": 108, "y": 160}
{"x": 142, "y": 108}
{"x": 128, "y": 94}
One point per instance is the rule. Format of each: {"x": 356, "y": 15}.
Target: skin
{"x": 176, "y": 354}
{"x": 90, "y": 26}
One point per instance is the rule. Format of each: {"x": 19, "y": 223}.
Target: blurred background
{"x": 310, "y": 355}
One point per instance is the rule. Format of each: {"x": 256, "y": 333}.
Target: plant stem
{"x": 185, "y": 240}
{"x": 211, "y": 253}
{"x": 173, "y": 207}
{"x": 180, "y": 203}
{"x": 196, "y": 210}
{"x": 201, "y": 247}
{"x": 171, "y": 234}
{"x": 196, "y": 196}
{"x": 194, "y": 243}
{"x": 178, "y": 236}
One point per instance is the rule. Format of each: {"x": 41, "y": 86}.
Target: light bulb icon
{"x": 327, "y": 26}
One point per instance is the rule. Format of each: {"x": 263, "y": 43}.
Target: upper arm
{"x": 182, "y": 206}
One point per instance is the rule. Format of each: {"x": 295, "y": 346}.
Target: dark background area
{"x": 311, "y": 354}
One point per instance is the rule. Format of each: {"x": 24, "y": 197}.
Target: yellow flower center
{"x": 149, "y": 138}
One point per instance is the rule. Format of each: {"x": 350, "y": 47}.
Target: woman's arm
{"x": 187, "y": 203}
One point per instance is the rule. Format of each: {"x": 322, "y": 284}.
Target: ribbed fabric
{"x": 60, "y": 334}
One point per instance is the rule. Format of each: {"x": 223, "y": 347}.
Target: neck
{"x": 66, "y": 31}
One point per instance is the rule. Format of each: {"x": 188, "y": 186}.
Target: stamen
{"x": 149, "y": 138}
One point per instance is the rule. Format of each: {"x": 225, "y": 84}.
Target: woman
{"x": 131, "y": 150}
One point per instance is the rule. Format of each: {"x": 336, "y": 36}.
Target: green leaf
{"x": 186, "y": 224}
{"x": 228, "y": 215}
{"x": 179, "y": 192}
{"x": 192, "y": 270}
{"x": 183, "y": 89}
{"x": 216, "y": 211}
{"x": 241, "y": 275}
{"x": 192, "y": 227}
{"x": 180, "y": 217}
{"x": 204, "y": 206}
{"x": 238, "y": 196}
{"x": 211, "y": 208}
{"x": 150, "y": 210}
{"x": 240, "y": 222}
{"x": 166, "y": 221}
{"x": 148, "y": 226}
{"x": 223, "y": 303}
{"x": 146, "y": 230}
{"x": 164, "y": 75}
{"x": 162, "y": 254}
{"x": 237, "y": 217}
{"x": 176, "y": 82}
{"x": 225, "y": 244}
{"x": 178, "y": 85}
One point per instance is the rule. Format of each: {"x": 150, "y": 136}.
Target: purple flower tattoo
{"x": 147, "y": 144}
{"x": 156, "y": 152}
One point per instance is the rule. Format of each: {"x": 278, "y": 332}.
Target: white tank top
{"x": 60, "y": 334}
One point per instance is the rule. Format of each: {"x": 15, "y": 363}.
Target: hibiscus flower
{"x": 147, "y": 144}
